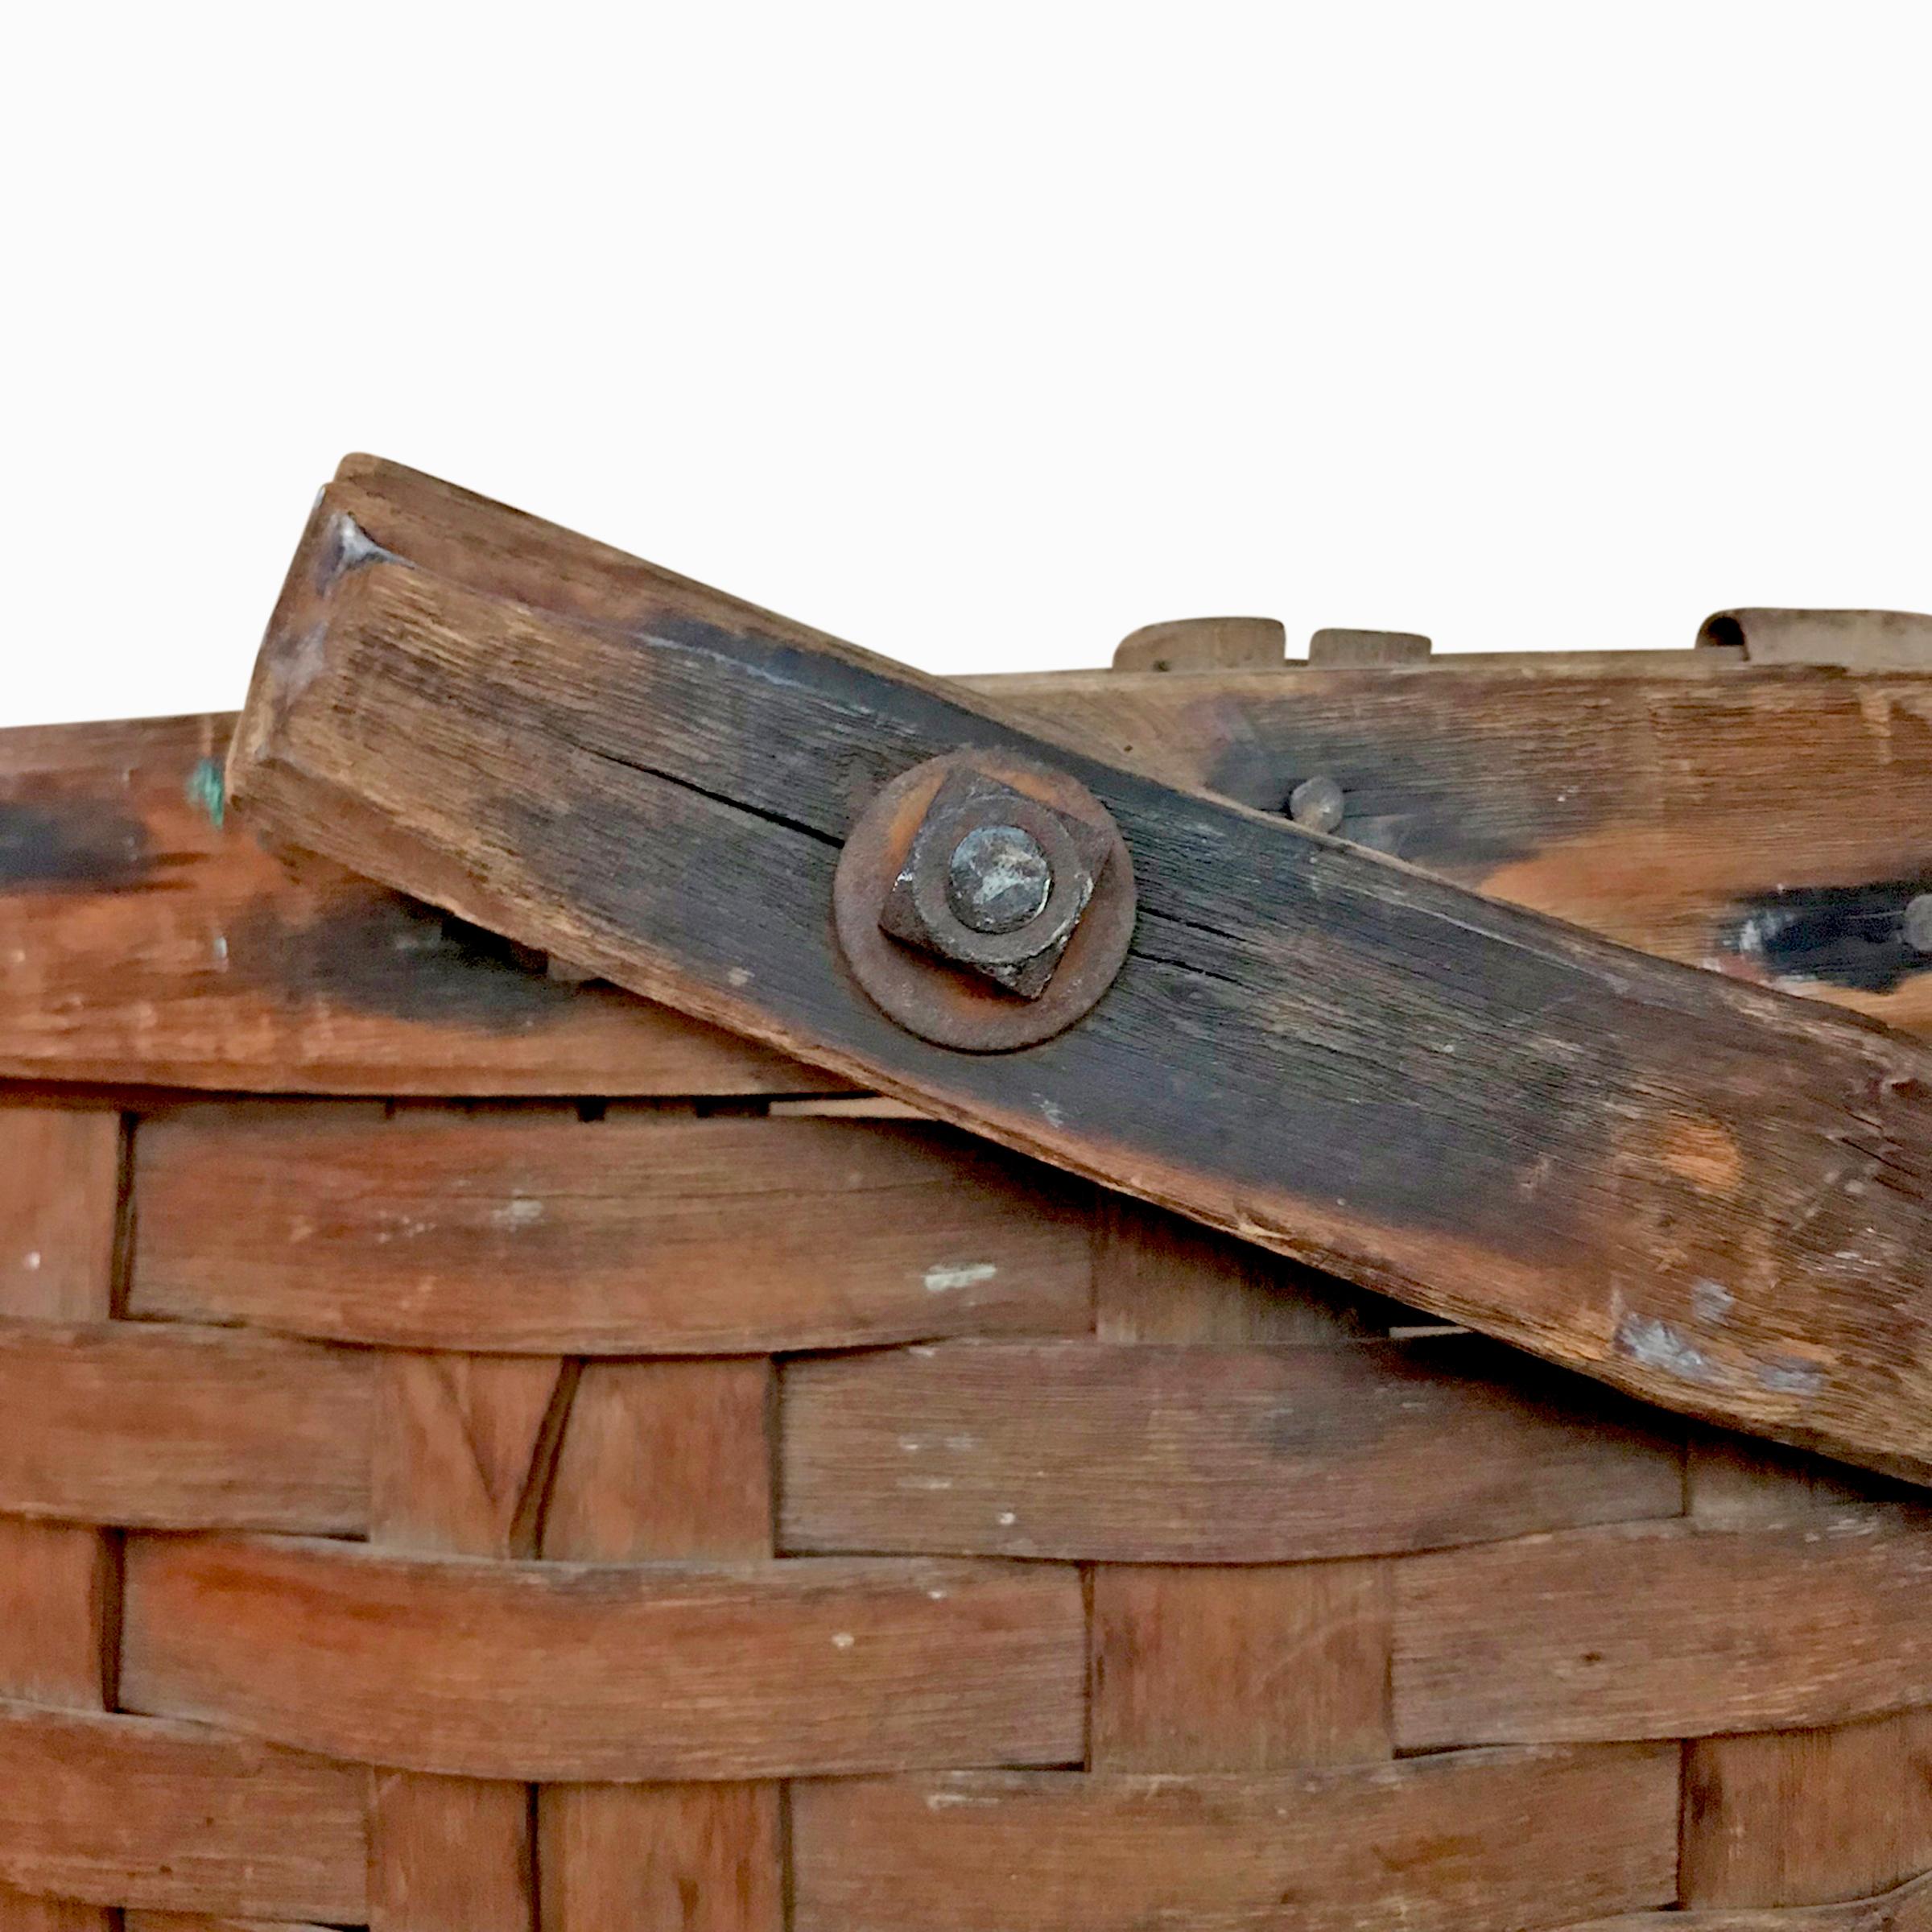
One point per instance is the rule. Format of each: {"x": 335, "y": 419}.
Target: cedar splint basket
{"x": 483, "y": 1452}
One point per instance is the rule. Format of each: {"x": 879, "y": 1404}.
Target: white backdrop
{"x": 979, "y": 336}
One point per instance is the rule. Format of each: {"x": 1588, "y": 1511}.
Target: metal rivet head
{"x": 1315, "y": 804}
{"x": 998, "y": 878}
{"x": 1918, "y": 923}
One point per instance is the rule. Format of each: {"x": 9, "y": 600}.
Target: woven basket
{"x": 675, "y": 1496}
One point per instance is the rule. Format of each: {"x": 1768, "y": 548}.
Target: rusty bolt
{"x": 1918, "y": 923}
{"x": 1316, "y": 804}
{"x": 998, "y": 878}
{"x": 995, "y": 881}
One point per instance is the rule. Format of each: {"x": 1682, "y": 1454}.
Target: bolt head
{"x": 1918, "y": 923}
{"x": 998, "y": 878}
{"x": 995, "y": 881}
{"x": 1316, "y": 804}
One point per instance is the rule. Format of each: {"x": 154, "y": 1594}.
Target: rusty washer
{"x": 984, "y": 902}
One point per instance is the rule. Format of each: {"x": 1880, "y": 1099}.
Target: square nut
{"x": 995, "y": 881}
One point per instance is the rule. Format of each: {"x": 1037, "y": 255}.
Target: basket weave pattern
{"x": 428, "y": 1516}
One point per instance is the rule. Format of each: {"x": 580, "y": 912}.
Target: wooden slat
{"x": 640, "y": 1233}
{"x": 573, "y": 1672}
{"x": 1159, "y": 1278}
{"x": 448, "y": 1854}
{"x": 1664, "y": 1630}
{"x": 1476, "y": 1842}
{"x": 461, "y": 1453}
{"x": 59, "y": 1583}
{"x": 119, "y": 1810}
{"x": 60, "y": 1185}
{"x": 148, "y": 944}
{"x": 1251, "y": 1668}
{"x": 1906, "y": 1908}
{"x": 664, "y": 1461}
{"x": 1736, "y": 1482}
{"x": 172, "y": 1428}
{"x": 59, "y": 1181}
{"x": 1165, "y": 1455}
{"x": 183, "y": 1921}
{"x": 1507, "y": 1122}
{"x": 462, "y": 1450}
{"x": 1768, "y": 824}
{"x": 1799, "y": 1818}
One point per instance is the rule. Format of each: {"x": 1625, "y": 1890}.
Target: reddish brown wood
{"x": 1474, "y": 1841}
{"x": 462, "y": 1450}
{"x": 1797, "y": 1818}
{"x": 664, "y": 1461}
{"x": 567, "y": 1672}
{"x": 1082, "y": 1449}
{"x": 1907, "y": 1908}
{"x": 1252, "y": 1669}
{"x": 645, "y": 1233}
{"x": 1159, "y": 1278}
{"x": 120, "y": 1810}
{"x": 166, "y": 1426}
{"x": 1664, "y": 1630}
{"x": 60, "y": 1582}
{"x": 150, "y": 944}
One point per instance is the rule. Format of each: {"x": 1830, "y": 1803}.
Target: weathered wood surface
{"x": 574, "y": 1672}
{"x": 59, "y": 1198}
{"x": 664, "y": 1461}
{"x": 1160, "y": 1279}
{"x": 165, "y": 1427}
{"x": 1769, "y": 824}
{"x": 1242, "y": 1668}
{"x": 1253, "y": 1667}
{"x": 1664, "y": 1630}
{"x": 1476, "y": 1842}
{"x": 1787, "y": 1817}
{"x": 644, "y": 1232}
{"x": 1202, "y": 1454}
{"x": 461, "y": 1453}
{"x": 125, "y": 1811}
{"x": 147, "y": 944}
{"x": 1498, "y": 1118}
{"x": 60, "y": 1193}
{"x": 1908, "y": 1908}
{"x": 1766, "y": 822}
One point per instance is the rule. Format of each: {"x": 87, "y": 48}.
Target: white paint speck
{"x": 1711, "y": 1301}
{"x": 938, "y": 1596}
{"x": 740, "y": 976}
{"x": 1055, "y": 1113}
{"x": 1006, "y": 1519}
{"x": 31, "y": 1262}
{"x": 1658, "y": 1345}
{"x": 910, "y": 1444}
{"x": 520, "y": 1211}
{"x": 1787, "y": 1375}
{"x": 844, "y": 1641}
{"x": 943, "y": 1280}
